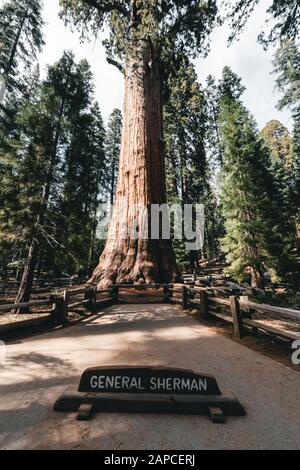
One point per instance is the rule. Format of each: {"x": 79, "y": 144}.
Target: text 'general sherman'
{"x": 155, "y": 384}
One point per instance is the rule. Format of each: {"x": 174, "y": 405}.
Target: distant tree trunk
{"x": 28, "y": 275}
{"x": 257, "y": 278}
{"x": 92, "y": 243}
{"x": 40, "y": 260}
{"x": 4, "y": 262}
{"x": 141, "y": 181}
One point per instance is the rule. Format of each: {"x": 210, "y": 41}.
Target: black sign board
{"x": 148, "y": 390}
{"x": 147, "y": 380}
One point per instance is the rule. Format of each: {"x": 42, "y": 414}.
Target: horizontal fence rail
{"x": 40, "y": 285}
{"x": 69, "y": 301}
{"x": 238, "y": 311}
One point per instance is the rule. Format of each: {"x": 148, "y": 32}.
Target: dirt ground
{"x": 270, "y": 347}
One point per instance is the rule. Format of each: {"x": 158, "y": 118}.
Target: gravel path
{"x": 38, "y": 369}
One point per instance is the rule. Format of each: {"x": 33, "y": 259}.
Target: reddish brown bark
{"x": 141, "y": 180}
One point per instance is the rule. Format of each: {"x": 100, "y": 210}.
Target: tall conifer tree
{"x": 258, "y": 234}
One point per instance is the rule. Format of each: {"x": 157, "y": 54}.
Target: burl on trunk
{"x": 141, "y": 182}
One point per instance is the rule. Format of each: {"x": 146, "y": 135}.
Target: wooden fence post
{"x": 115, "y": 294}
{"x": 237, "y": 317}
{"x": 246, "y": 308}
{"x": 90, "y": 295}
{"x": 166, "y": 294}
{"x": 95, "y": 289}
{"x": 66, "y": 297}
{"x": 57, "y": 309}
{"x": 185, "y": 299}
{"x": 204, "y": 305}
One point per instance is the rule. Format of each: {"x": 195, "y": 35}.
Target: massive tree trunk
{"x": 141, "y": 181}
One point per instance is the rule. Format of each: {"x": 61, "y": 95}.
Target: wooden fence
{"x": 43, "y": 285}
{"x": 58, "y": 307}
{"x": 236, "y": 310}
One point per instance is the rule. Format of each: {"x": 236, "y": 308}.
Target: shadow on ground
{"x": 38, "y": 370}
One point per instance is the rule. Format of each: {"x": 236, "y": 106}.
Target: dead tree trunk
{"x": 28, "y": 275}
{"x": 141, "y": 181}
{"x": 257, "y": 278}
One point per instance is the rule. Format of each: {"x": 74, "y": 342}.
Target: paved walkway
{"x": 38, "y": 369}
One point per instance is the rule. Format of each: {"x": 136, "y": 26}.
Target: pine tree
{"x": 84, "y": 171}
{"x": 280, "y": 143}
{"x": 20, "y": 39}
{"x": 112, "y": 150}
{"x": 11, "y": 165}
{"x": 287, "y": 68}
{"x": 231, "y": 86}
{"x": 77, "y": 170}
{"x": 213, "y": 139}
{"x": 258, "y": 234}
{"x": 188, "y": 174}
{"x": 54, "y": 174}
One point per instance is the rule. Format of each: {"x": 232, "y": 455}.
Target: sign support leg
{"x": 216, "y": 415}
{"x": 85, "y": 412}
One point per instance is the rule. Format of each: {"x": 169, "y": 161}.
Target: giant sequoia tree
{"x": 145, "y": 37}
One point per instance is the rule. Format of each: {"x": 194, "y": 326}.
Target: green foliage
{"x": 285, "y": 299}
{"x": 280, "y": 143}
{"x": 230, "y": 85}
{"x": 168, "y": 27}
{"x": 258, "y": 232}
{"x": 20, "y": 40}
{"x": 188, "y": 174}
{"x": 287, "y": 68}
{"x": 53, "y": 169}
{"x": 284, "y": 16}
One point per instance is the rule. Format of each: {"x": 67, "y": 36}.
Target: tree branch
{"x": 115, "y": 64}
{"x": 107, "y": 7}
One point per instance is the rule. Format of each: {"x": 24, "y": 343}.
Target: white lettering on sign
{"x": 158, "y": 384}
{"x": 177, "y": 384}
{"x": 116, "y": 382}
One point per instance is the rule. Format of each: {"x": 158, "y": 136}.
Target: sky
{"x": 246, "y": 57}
